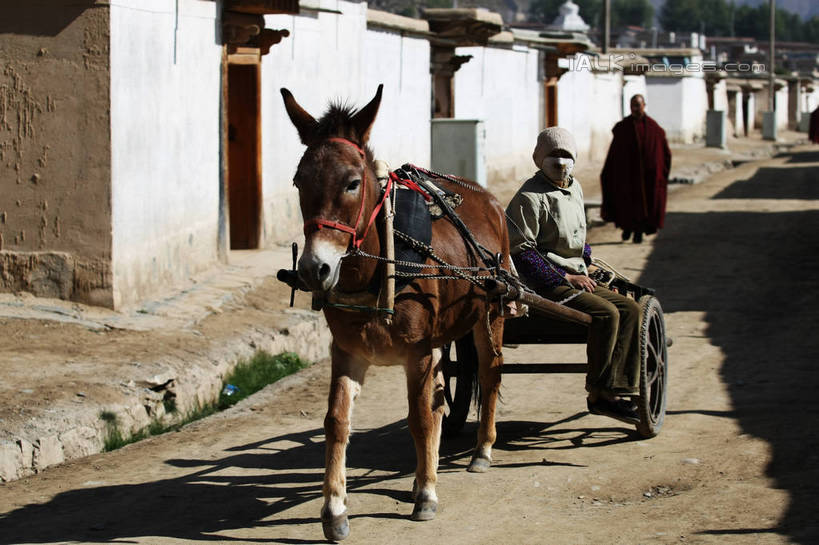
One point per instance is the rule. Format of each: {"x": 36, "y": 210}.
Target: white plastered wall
{"x": 500, "y": 87}
{"x": 752, "y": 100}
{"x": 679, "y": 105}
{"x": 782, "y": 99}
{"x": 589, "y": 104}
{"x": 401, "y": 133}
{"x": 721, "y": 96}
{"x": 165, "y": 95}
{"x": 632, "y": 85}
{"x": 607, "y": 103}
{"x": 811, "y": 100}
{"x": 735, "y": 116}
{"x": 334, "y": 57}
{"x": 576, "y": 109}
{"x": 762, "y": 106}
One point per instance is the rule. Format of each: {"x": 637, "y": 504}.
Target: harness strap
{"x": 376, "y": 210}
{"x": 410, "y": 184}
{"x": 319, "y": 223}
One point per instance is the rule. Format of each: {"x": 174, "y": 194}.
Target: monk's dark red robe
{"x": 813, "y": 133}
{"x": 635, "y": 176}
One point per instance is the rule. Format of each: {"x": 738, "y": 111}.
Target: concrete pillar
{"x": 715, "y": 129}
{"x": 794, "y": 104}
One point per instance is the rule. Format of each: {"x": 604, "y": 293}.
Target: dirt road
{"x": 735, "y": 463}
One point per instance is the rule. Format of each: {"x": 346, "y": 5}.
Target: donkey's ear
{"x": 304, "y": 122}
{"x": 364, "y": 118}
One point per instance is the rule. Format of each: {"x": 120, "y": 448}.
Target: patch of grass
{"x": 113, "y": 436}
{"x": 170, "y": 405}
{"x": 248, "y": 377}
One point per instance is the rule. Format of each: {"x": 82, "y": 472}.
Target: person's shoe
{"x": 638, "y": 237}
{"x": 620, "y": 409}
{"x": 626, "y": 235}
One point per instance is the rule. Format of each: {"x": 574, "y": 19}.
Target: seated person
{"x": 547, "y": 233}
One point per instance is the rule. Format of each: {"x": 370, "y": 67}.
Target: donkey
{"x": 338, "y": 194}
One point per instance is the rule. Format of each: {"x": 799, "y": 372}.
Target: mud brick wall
{"x": 55, "y": 166}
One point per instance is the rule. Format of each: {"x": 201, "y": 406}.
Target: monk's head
{"x": 638, "y": 106}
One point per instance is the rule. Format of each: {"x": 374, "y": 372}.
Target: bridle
{"x": 317, "y": 224}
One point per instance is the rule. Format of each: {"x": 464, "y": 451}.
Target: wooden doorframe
{"x": 550, "y": 101}
{"x": 249, "y": 57}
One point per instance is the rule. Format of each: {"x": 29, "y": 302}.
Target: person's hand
{"x": 581, "y": 282}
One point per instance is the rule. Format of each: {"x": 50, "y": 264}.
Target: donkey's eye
{"x": 352, "y": 186}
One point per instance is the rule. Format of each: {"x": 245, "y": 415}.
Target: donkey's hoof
{"x": 479, "y": 465}
{"x": 424, "y": 510}
{"x": 335, "y": 527}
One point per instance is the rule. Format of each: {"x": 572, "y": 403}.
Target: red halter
{"x": 316, "y": 224}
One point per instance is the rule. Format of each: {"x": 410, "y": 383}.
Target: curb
{"x": 699, "y": 173}
{"x": 190, "y": 383}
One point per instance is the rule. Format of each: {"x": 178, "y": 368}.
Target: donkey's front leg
{"x": 488, "y": 343}
{"x": 345, "y": 385}
{"x": 425, "y": 391}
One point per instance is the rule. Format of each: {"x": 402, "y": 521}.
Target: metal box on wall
{"x": 715, "y": 129}
{"x": 458, "y": 147}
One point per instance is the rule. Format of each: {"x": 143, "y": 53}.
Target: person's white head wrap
{"x": 551, "y": 139}
{"x": 557, "y": 169}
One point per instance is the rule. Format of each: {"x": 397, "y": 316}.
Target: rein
{"x": 317, "y": 224}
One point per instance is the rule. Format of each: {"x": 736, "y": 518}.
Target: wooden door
{"x": 244, "y": 159}
{"x": 550, "y": 102}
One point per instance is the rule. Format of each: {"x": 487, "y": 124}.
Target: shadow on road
{"x": 804, "y": 157}
{"x": 239, "y": 491}
{"x": 257, "y": 481}
{"x": 775, "y": 183}
{"x": 754, "y": 276}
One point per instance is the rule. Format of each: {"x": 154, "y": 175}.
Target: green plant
{"x": 170, "y": 405}
{"x": 248, "y": 377}
{"x": 113, "y": 435}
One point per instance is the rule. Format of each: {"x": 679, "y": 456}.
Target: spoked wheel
{"x": 653, "y": 368}
{"x": 459, "y": 380}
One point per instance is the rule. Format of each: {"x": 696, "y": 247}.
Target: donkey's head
{"x": 337, "y": 187}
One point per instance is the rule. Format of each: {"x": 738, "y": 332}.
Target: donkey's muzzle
{"x": 317, "y": 274}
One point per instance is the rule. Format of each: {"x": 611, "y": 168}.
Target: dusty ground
{"x": 735, "y": 463}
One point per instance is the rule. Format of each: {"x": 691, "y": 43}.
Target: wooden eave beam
{"x": 263, "y": 7}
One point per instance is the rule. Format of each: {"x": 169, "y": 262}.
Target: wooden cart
{"x": 550, "y": 323}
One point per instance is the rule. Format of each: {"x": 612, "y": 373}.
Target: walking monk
{"x": 813, "y": 129}
{"x": 635, "y": 176}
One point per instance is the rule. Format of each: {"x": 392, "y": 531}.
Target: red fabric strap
{"x": 349, "y": 143}
{"x": 409, "y": 184}
{"x": 357, "y": 243}
{"x": 319, "y": 223}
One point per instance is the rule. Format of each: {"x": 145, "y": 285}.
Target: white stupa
{"x": 569, "y": 19}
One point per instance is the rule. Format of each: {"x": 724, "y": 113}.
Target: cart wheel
{"x": 653, "y": 368}
{"x": 459, "y": 380}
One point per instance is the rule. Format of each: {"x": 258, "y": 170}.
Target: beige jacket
{"x": 551, "y": 219}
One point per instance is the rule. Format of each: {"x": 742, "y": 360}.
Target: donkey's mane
{"x": 338, "y": 122}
